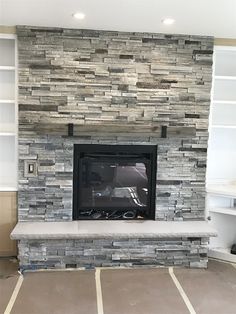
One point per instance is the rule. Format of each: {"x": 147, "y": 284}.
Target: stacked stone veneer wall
{"x": 188, "y": 252}
{"x": 111, "y": 79}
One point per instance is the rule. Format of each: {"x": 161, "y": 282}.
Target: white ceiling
{"x": 197, "y": 17}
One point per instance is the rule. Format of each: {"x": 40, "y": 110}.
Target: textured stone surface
{"x": 87, "y": 229}
{"x": 187, "y": 252}
{"x": 100, "y": 78}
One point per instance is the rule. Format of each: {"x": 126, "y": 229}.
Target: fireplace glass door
{"x": 114, "y": 182}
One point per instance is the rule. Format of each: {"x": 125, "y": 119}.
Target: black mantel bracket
{"x": 70, "y": 129}
{"x": 164, "y": 131}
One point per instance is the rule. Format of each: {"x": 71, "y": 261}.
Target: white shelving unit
{"x": 221, "y": 166}
{"x": 8, "y": 112}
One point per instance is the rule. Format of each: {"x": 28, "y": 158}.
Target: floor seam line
{"x": 99, "y": 290}
{"x": 181, "y": 291}
{"x": 14, "y": 295}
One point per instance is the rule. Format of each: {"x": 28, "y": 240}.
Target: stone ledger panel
{"x": 117, "y": 252}
{"x": 111, "y": 80}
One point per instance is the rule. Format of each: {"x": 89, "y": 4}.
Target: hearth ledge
{"x": 111, "y": 229}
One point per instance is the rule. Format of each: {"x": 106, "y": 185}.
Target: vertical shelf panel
{"x": 8, "y": 113}
{"x": 226, "y": 230}
{"x": 224, "y": 90}
{"x": 7, "y": 83}
{"x": 222, "y": 154}
{"x": 7, "y": 52}
{"x": 7, "y": 118}
{"x": 225, "y": 62}
{"x": 223, "y": 114}
{"x": 221, "y": 165}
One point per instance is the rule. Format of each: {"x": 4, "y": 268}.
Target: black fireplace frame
{"x": 150, "y": 150}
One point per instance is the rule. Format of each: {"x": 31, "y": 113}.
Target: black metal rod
{"x": 164, "y": 131}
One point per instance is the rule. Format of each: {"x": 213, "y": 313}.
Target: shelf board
{"x": 7, "y": 36}
{"x": 222, "y": 126}
{"x": 7, "y": 133}
{"x": 223, "y": 48}
{"x": 227, "y": 190}
{"x": 7, "y": 101}
{"x": 222, "y": 254}
{"x": 8, "y": 188}
{"x": 223, "y": 210}
{"x": 225, "y": 77}
{"x": 224, "y": 102}
{"x": 7, "y": 68}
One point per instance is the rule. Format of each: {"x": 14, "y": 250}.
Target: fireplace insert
{"x": 114, "y": 181}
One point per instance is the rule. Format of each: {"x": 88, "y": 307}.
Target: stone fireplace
{"x": 112, "y": 89}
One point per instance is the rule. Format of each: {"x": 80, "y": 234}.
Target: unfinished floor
{"x": 119, "y": 291}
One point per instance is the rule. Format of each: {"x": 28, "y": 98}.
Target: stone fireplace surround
{"x": 116, "y": 88}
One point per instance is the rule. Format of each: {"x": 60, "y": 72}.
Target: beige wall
{"x": 8, "y": 218}
{"x": 7, "y": 29}
{"x": 225, "y": 42}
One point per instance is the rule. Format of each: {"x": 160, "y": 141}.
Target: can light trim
{"x": 79, "y": 15}
{"x": 168, "y": 21}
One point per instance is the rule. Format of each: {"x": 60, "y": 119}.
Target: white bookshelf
{"x": 224, "y": 211}
{"x": 225, "y": 77}
{"x": 222, "y": 254}
{"x": 8, "y": 113}
{"x": 222, "y": 188}
{"x": 221, "y": 165}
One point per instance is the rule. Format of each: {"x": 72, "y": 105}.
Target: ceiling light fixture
{"x": 79, "y": 15}
{"x": 168, "y": 21}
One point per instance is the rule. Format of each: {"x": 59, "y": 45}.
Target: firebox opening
{"x": 114, "y": 181}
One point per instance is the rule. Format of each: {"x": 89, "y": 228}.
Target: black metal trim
{"x": 148, "y": 152}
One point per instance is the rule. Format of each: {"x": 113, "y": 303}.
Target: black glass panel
{"x": 113, "y": 184}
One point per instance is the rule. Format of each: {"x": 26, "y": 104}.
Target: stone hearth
{"x": 112, "y": 243}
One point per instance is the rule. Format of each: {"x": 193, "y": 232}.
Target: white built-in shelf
{"x": 227, "y": 190}
{"x": 225, "y": 77}
{"x": 7, "y": 133}
{"x": 222, "y": 210}
{"x": 8, "y": 113}
{"x": 221, "y": 165}
{"x": 7, "y": 68}
{"x": 222, "y": 254}
{"x": 10, "y": 188}
{"x": 228, "y": 102}
{"x": 224, "y": 89}
{"x": 7, "y": 101}
{"x": 222, "y": 126}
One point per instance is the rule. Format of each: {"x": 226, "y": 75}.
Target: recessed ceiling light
{"x": 79, "y": 15}
{"x": 168, "y": 21}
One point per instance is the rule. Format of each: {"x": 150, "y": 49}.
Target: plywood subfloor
{"x": 122, "y": 291}
{"x": 8, "y": 280}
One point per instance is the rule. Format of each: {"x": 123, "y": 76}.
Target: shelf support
{"x": 70, "y": 129}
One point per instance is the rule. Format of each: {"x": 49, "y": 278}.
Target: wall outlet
{"x": 30, "y": 168}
